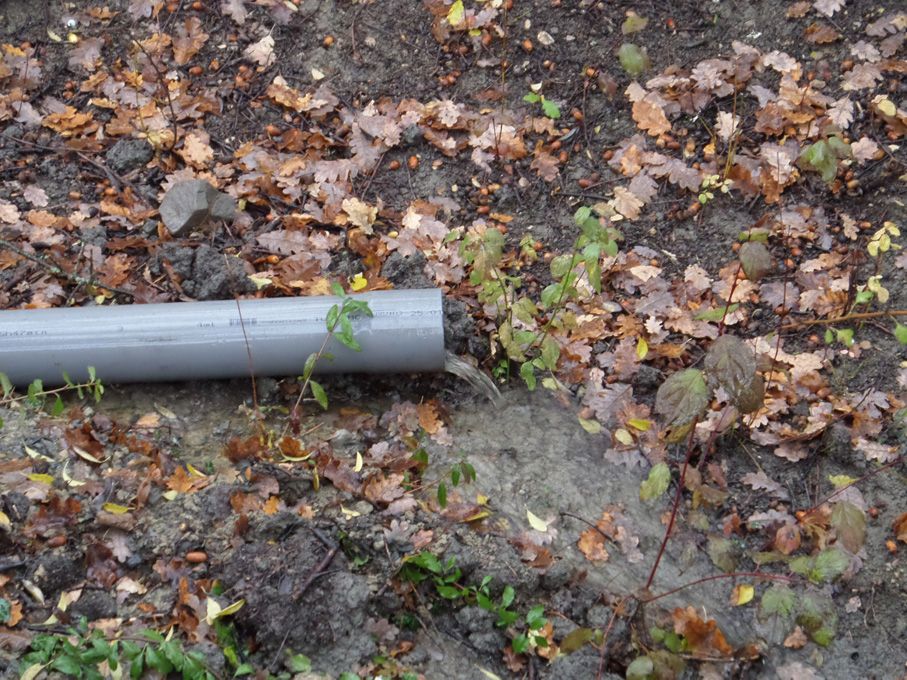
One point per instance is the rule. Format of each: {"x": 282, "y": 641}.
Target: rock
{"x": 215, "y": 277}
{"x": 406, "y": 271}
{"x": 190, "y": 204}
{"x": 557, "y": 576}
{"x": 647, "y": 378}
{"x": 129, "y": 154}
{"x": 93, "y": 605}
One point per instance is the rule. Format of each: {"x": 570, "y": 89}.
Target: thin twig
{"x": 57, "y": 271}
{"x": 856, "y": 316}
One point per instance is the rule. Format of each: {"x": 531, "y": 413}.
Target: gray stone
{"x": 129, "y": 154}
{"x": 190, "y": 204}
{"x": 93, "y": 605}
{"x": 406, "y": 271}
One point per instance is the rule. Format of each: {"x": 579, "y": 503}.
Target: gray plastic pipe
{"x": 196, "y": 340}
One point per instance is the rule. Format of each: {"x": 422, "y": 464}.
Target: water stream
{"x": 480, "y": 382}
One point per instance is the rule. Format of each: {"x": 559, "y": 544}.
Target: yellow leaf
{"x": 358, "y": 466}
{"x": 115, "y": 509}
{"x": 37, "y": 456}
{"x": 590, "y": 426}
{"x": 41, "y": 478}
{"x": 260, "y": 281}
{"x": 170, "y": 495}
{"x": 742, "y": 594}
{"x": 233, "y": 608}
{"x": 35, "y": 669}
{"x": 481, "y": 499}
{"x": 642, "y": 349}
{"x": 841, "y": 480}
{"x": 5, "y": 521}
{"x": 213, "y": 610}
{"x": 536, "y": 522}
{"x": 456, "y": 14}
{"x": 358, "y": 282}
{"x": 53, "y": 36}
{"x": 887, "y": 107}
{"x": 348, "y": 512}
{"x": 82, "y": 453}
{"x": 68, "y": 478}
{"x": 639, "y": 424}
{"x": 195, "y": 471}
{"x": 296, "y": 459}
{"x": 481, "y": 514}
{"x": 623, "y": 437}
{"x": 67, "y": 598}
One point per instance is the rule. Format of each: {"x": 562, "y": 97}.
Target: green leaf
{"x": 299, "y": 663}
{"x": 67, "y": 665}
{"x": 332, "y": 317}
{"x": 845, "y": 336}
{"x": 900, "y": 333}
{"x": 641, "y": 668}
{"x": 527, "y": 373}
{"x": 722, "y": 553}
{"x": 778, "y": 599}
{"x": 427, "y": 561}
{"x": 456, "y": 14}
{"x": 561, "y": 265}
{"x": 244, "y": 669}
{"x": 633, "y": 59}
{"x": 520, "y": 644}
{"x": 656, "y": 483}
{"x": 732, "y": 363}
{"x": 442, "y": 495}
{"x": 535, "y": 618}
{"x": 830, "y": 564}
{"x": 157, "y": 661}
{"x": 849, "y": 522}
{"x": 716, "y": 314}
{"x": 507, "y": 596}
{"x": 449, "y": 592}
{"x": 818, "y": 617}
{"x": 551, "y": 352}
{"x": 337, "y": 289}
{"x": 34, "y": 392}
{"x": 682, "y": 397}
{"x": 576, "y": 639}
{"x": 633, "y": 24}
{"x": 5, "y": 610}
{"x": 57, "y": 408}
{"x": 532, "y": 98}
{"x": 755, "y": 259}
{"x": 6, "y": 385}
{"x": 821, "y": 157}
{"x": 320, "y": 396}
{"x": 582, "y": 214}
{"x": 550, "y": 109}
{"x": 309, "y": 367}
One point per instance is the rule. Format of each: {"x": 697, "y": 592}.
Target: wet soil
{"x": 529, "y": 452}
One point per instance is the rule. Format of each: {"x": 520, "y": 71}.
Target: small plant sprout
{"x": 36, "y": 395}
{"x": 339, "y": 325}
{"x": 549, "y": 108}
{"x": 712, "y": 183}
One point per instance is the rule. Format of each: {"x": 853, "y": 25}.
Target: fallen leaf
{"x": 261, "y": 52}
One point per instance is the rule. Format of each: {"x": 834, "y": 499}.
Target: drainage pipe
{"x": 199, "y": 340}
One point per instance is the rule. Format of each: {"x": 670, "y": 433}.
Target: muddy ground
{"x": 529, "y": 452}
